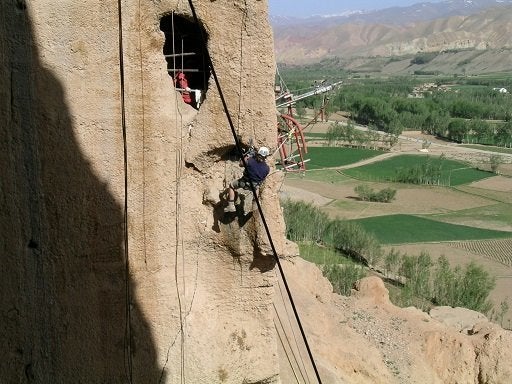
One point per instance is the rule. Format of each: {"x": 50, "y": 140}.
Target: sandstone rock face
{"x": 177, "y": 291}
{"x": 364, "y": 338}
{"x": 117, "y": 263}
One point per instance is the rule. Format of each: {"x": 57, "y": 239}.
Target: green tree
{"x": 495, "y": 161}
{"x": 475, "y": 287}
{"x": 375, "y": 111}
{"x": 392, "y": 260}
{"x": 335, "y": 134}
{"x": 468, "y": 288}
{"x": 343, "y": 277}
{"x": 417, "y": 272}
{"x": 467, "y": 109}
{"x": 436, "y": 123}
{"x": 349, "y": 132}
{"x": 352, "y": 240}
{"x": 457, "y": 130}
{"x": 444, "y": 283}
{"x": 483, "y": 131}
{"x": 300, "y": 110}
{"x": 504, "y": 134}
{"x": 304, "y": 222}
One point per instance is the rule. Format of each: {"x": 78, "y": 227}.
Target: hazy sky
{"x": 303, "y": 8}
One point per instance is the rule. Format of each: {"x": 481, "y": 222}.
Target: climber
{"x": 256, "y": 170}
{"x": 181, "y": 83}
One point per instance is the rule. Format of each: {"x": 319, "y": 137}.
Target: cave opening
{"x": 185, "y": 52}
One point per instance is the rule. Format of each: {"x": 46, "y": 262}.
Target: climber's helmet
{"x": 263, "y": 152}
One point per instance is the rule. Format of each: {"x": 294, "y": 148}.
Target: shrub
{"x": 304, "y": 222}
{"x": 385, "y": 195}
{"x": 343, "y": 277}
{"x": 495, "y": 161}
{"x": 351, "y": 239}
{"x": 366, "y": 193}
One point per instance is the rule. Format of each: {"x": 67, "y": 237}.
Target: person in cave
{"x": 181, "y": 84}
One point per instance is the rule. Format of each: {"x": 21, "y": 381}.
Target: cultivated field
{"x": 483, "y": 204}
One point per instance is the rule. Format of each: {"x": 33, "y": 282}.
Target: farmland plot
{"x": 499, "y": 250}
{"x": 485, "y": 203}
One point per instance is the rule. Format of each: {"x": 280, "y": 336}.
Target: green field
{"x": 497, "y": 213}
{"x": 328, "y": 157}
{"x": 403, "y": 229}
{"x": 453, "y": 172}
{"x": 322, "y": 255}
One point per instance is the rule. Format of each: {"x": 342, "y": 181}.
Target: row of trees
{"x": 444, "y": 115}
{"x": 427, "y": 173}
{"x": 426, "y": 282}
{"x": 460, "y": 112}
{"x": 423, "y": 282}
{"x": 305, "y": 222}
{"x": 347, "y": 134}
{"x": 478, "y": 132}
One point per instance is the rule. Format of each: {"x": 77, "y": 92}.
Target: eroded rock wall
{"x": 365, "y": 339}
{"x": 182, "y": 291}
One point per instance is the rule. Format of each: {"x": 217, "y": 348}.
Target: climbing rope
{"x": 286, "y": 352}
{"x": 288, "y": 341}
{"x": 128, "y": 326}
{"x": 292, "y": 330}
{"x": 143, "y": 140}
{"x": 240, "y": 83}
{"x": 253, "y": 189}
{"x": 179, "y": 238}
{"x": 179, "y": 247}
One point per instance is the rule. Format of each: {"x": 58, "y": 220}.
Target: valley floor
{"x": 476, "y": 205}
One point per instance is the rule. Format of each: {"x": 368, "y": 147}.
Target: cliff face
{"x": 364, "y": 338}
{"x": 118, "y": 264}
{"x": 181, "y": 291}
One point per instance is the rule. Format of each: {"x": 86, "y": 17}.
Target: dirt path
{"x": 413, "y": 142}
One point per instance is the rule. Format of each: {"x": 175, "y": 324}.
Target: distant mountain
{"x": 424, "y": 27}
{"x": 422, "y": 11}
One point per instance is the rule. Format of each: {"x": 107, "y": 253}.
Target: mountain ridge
{"x": 421, "y": 11}
{"x": 487, "y": 29}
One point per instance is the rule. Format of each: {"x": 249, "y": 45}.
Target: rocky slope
{"x": 366, "y": 339}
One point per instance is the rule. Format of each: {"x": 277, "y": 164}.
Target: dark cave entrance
{"x": 185, "y": 52}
